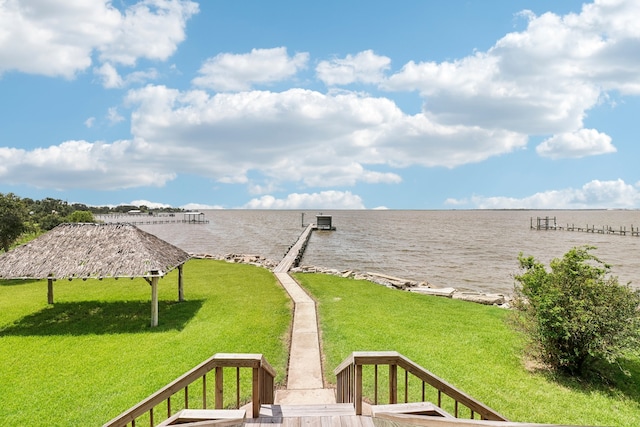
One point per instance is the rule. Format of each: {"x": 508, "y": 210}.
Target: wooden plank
{"x": 350, "y": 421}
{"x": 417, "y": 408}
{"x": 311, "y": 421}
{"x": 333, "y": 421}
{"x": 317, "y": 410}
{"x": 219, "y": 388}
{"x": 291, "y": 422}
{"x": 358, "y": 390}
{"x": 422, "y": 421}
{"x": 193, "y": 417}
{"x": 393, "y": 383}
{"x": 255, "y": 397}
{"x": 366, "y": 422}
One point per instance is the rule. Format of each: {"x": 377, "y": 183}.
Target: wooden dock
{"x": 550, "y": 224}
{"x": 295, "y": 252}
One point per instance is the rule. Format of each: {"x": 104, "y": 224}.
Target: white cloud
{"x": 301, "y": 136}
{"x": 593, "y": 195}
{"x": 236, "y": 72}
{"x": 81, "y": 164}
{"x": 149, "y": 29}
{"x": 322, "y": 200}
{"x": 585, "y": 142}
{"x": 269, "y": 187}
{"x": 111, "y": 79}
{"x": 538, "y": 81}
{"x": 199, "y": 207}
{"x": 150, "y": 205}
{"x": 365, "y": 67}
{"x": 59, "y": 37}
{"x": 109, "y": 76}
{"x": 113, "y": 116}
{"x": 90, "y": 122}
{"x": 298, "y": 136}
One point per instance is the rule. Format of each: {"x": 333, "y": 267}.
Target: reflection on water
{"x": 475, "y": 250}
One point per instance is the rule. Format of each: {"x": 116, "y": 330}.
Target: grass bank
{"x": 92, "y": 354}
{"x": 468, "y": 345}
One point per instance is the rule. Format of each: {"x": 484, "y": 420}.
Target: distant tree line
{"x": 25, "y": 218}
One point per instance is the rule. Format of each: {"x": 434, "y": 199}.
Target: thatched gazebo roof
{"x": 81, "y": 251}
{"x": 96, "y": 251}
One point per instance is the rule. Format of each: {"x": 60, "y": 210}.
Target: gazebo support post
{"x": 50, "y": 290}
{"x": 180, "y": 284}
{"x": 154, "y": 301}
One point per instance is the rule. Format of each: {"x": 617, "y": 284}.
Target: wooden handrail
{"x": 262, "y": 386}
{"x": 349, "y": 382}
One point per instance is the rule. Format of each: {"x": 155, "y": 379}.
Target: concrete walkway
{"x": 305, "y": 383}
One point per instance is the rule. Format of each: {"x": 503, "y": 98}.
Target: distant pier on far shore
{"x": 550, "y": 223}
{"x": 140, "y": 218}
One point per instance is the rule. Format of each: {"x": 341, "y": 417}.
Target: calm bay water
{"x": 467, "y": 250}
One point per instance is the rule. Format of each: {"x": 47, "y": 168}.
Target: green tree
{"x": 577, "y": 313}
{"x": 81, "y": 216}
{"x": 13, "y": 215}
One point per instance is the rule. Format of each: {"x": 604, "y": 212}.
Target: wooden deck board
{"x": 366, "y": 422}
{"x": 333, "y": 415}
{"x": 311, "y": 421}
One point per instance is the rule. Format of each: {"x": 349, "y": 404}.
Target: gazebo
{"x": 96, "y": 251}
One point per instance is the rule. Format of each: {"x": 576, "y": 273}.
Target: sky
{"x": 252, "y": 104}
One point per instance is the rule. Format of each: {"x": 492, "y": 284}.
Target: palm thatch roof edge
{"x": 88, "y": 250}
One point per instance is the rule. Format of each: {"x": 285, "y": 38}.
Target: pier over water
{"x": 550, "y": 223}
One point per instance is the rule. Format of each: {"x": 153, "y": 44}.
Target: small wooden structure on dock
{"x": 324, "y": 222}
{"x": 544, "y": 223}
{"x": 194, "y": 218}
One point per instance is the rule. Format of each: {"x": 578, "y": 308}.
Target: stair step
{"x": 206, "y": 417}
{"x": 292, "y": 411}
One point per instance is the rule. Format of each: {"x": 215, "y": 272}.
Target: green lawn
{"x": 468, "y": 345}
{"x": 92, "y": 354}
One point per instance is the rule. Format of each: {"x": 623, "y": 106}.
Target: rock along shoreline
{"x": 391, "y": 282}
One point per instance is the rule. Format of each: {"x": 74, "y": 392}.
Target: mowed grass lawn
{"x": 92, "y": 354}
{"x": 468, "y": 345}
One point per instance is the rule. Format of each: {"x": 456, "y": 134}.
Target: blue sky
{"x": 318, "y": 105}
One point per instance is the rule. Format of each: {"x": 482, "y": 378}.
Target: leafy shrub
{"x": 577, "y": 313}
{"x": 81, "y": 216}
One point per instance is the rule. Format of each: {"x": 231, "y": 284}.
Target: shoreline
{"x": 423, "y": 288}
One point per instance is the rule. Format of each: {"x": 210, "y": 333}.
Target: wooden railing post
{"x": 393, "y": 383}
{"x": 219, "y": 392}
{"x": 255, "y": 395}
{"x": 50, "y": 290}
{"x": 358, "y": 389}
